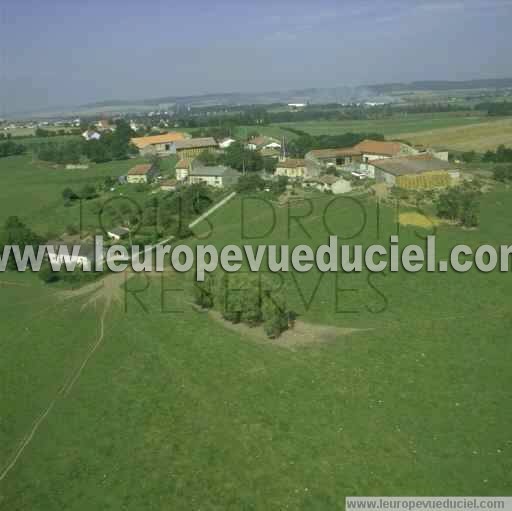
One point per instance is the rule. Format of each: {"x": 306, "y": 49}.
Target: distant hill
{"x": 379, "y": 93}
{"x": 341, "y": 94}
{"x": 441, "y": 85}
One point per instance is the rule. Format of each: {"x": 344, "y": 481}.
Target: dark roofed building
{"x": 392, "y": 170}
{"x": 190, "y": 148}
{"x": 218, "y": 176}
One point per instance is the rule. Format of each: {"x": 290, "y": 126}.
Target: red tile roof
{"x": 333, "y": 153}
{"x": 382, "y": 147}
{"x": 166, "y": 138}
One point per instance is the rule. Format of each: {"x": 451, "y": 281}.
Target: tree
{"x": 250, "y": 183}
{"x": 469, "y": 156}
{"x": 69, "y": 195}
{"x": 204, "y": 292}
{"x": 247, "y": 298}
{"x": 15, "y": 232}
{"x": 242, "y": 159}
{"x": 46, "y": 274}
{"x": 279, "y": 185}
{"x": 88, "y": 192}
{"x": 502, "y": 173}
{"x": 208, "y": 158}
{"x": 10, "y": 148}
{"x": 459, "y": 204}
{"x": 269, "y": 164}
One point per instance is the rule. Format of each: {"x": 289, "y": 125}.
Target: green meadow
{"x": 33, "y": 191}
{"x": 147, "y": 403}
{"x": 136, "y": 400}
{"x": 392, "y": 126}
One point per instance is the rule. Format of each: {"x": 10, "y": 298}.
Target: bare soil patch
{"x": 301, "y": 335}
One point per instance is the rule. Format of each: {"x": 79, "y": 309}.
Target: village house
{"x": 218, "y": 176}
{"x": 292, "y": 168}
{"x": 183, "y": 169}
{"x": 416, "y": 171}
{"x": 91, "y": 135}
{"x": 161, "y": 145}
{"x": 261, "y": 142}
{"x": 168, "y": 185}
{"x": 142, "y": 173}
{"x": 192, "y": 147}
{"x": 104, "y": 125}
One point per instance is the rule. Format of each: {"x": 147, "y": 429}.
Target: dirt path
{"x": 103, "y": 294}
{"x": 106, "y": 296}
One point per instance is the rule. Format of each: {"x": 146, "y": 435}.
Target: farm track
{"x": 63, "y": 392}
{"x": 109, "y": 290}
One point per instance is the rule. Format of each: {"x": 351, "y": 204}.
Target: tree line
{"x": 11, "y": 148}
{"x": 111, "y": 146}
{"x": 304, "y": 142}
{"x": 245, "y": 298}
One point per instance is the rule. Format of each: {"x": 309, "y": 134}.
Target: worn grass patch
{"x": 418, "y": 220}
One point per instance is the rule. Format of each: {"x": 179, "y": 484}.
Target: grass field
{"x": 452, "y": 131}
{"x": 410, "y": 123}
{"x": 171, "y": 410}
{"x": 33, "y": 191}
{"x": 472, "y": 137}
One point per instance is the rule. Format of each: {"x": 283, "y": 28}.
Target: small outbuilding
{"x": 118, "y": 233}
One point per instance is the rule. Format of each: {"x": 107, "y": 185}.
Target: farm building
{"x": 291, "y": 168}
{"x": 357, "y": 158}
{"x": 104, "y": 125}
{"x": 262, "y": 142}
{"x": 91, "y": 135}
{"x": 168, "y": 185}
{"x": 183, "y": 169}
{"x": 219, "y": 176}
{"x": 60, "y": 252}
{"x": 192, "y": 147}
{"x": 226, "y": 142}
{"x": 117, "y": 233}
{"x": 328, "y": 183}
{"x": 372, "y": 150}
{"x": 319, "y": 160}
{"x": 158, "y": 144}
{"x": 415, "y": 172}
{"x": 143, "y": 173}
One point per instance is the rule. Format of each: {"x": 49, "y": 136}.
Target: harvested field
{"x": 477, "y": 137}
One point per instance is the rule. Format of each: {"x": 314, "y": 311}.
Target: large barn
{"x": 418, "y": 171}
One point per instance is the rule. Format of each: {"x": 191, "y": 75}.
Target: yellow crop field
{"x": 426, "y": 181}
{"x": 478, "y": 137}
{"x": 417, "y": 220}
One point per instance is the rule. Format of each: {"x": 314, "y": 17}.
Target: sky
{"x": 69, "y": 52}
